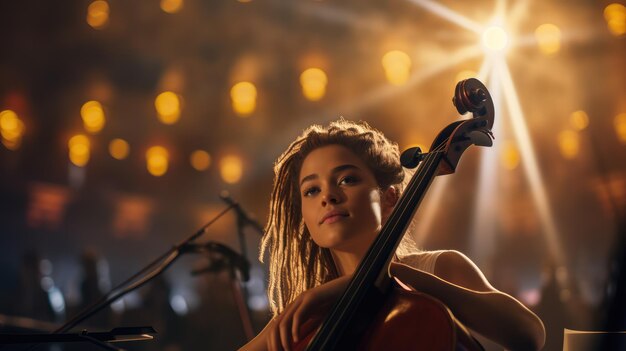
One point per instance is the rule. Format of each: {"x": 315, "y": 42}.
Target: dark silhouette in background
{"x": 31, "y": 300}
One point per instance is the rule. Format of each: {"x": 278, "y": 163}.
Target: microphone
{"x": 241, "y": 214}
{"x": 229, "y": 258}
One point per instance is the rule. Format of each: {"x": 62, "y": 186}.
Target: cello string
{"x": 415, "y": 182}
{"x": 410, "y": 193}
{"x": 347, "y": 299}
{"x": 429, "y": 160}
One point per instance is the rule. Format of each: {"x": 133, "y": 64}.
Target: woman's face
{"x": 342, "y": 205}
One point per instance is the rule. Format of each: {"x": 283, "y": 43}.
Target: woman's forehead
{"x": 326, "y": 158}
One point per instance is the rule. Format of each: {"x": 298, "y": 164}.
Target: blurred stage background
{"x": 122, "y": 121}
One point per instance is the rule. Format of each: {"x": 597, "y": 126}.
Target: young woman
{"x": 334, "y": 188}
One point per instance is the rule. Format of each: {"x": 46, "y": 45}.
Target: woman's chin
{"x": 344, "y": 242}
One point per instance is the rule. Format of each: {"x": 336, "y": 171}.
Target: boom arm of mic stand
{"x": 245, "y": 219}
{"x": 167, "y": 258}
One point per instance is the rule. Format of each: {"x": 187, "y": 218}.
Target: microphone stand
{"x": 161, "y": 263}
{"x": 241, "y": 290}
{"x": 243, "y": 219}
{"x": 232, "y": 261}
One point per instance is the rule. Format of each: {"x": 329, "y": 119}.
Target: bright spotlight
{"x": 494, "y": 38}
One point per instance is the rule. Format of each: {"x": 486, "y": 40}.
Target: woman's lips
{"x": 334, "y": 218}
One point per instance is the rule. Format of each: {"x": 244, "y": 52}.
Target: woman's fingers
{"x": 309, "y": 326}
{"x": 273, "y": 340}
{"x": 286, "y": 321}
{"x": 295, "y": 326}
{"x": 299, "y": 315}
{"x": 285, "y": 335}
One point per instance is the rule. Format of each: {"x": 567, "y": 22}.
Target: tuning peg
{"x": 411, "y": 157}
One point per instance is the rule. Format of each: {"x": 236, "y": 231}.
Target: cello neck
{"x": 371, "y": 274}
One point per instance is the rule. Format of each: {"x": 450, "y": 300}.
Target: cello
{"x": 376, "y": 312}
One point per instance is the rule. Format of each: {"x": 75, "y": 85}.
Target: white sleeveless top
{"x": 424, "y": 261}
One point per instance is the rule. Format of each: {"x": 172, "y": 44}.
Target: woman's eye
{"x": 311, "y": 191}
{"x": 348, "y": 180}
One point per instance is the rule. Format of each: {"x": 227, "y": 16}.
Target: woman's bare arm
{"x": 259, "y": 342}
{"x": 460, "y": 285}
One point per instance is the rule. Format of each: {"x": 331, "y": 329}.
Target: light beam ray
{"x": 426, "y": 217}
{"x": 337, "y": 15}
{"x": 517, "y": 13}
{"x": 531, "y": 168}
{"x": 380, "y": 94}
{"x": 449, "y": 15}
{"x": 486, "y": 69}
{"x": 483, "y": 233}
{"x": 500, "y": 9}
{"x": 418, "y": 77}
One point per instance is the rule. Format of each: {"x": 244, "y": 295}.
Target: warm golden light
{"x": 168, "y": 107}
{"x": 615, "y": 15}
{"x": 119, "y": 149}
{"x": 98, "y": 14}
{"x": 614, "y": 10}
{"x": 569, "y": 142}
{"x": 231, "y": 169}
{"x": 412, "y": 138}
{"x": 79, "y": 150}
{"x": 397, "y": 66}
{"x": 157, "y": 160}
{"x": 617, "y": 27}
{"x": 549, "y": 38}
{"x": 11, "y": 129}
{"x": 93, "y": 116}
{"x": 465, "y": 74}
{"x": 495, "y": 38}
{"x": 171, "y": 6}
{"x": 620, "y": 127}
{"x": 200, "y": 160}
{"x": 8, "y": 120}
{"x": 243, "y": 96}
{"x": 510, "y": 155}
{"x": 11, "y": 144}
{"x": 579, "y": 120}
{"x": 313, "y": 81}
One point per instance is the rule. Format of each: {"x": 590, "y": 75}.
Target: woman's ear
{"x": 388, "y": 201}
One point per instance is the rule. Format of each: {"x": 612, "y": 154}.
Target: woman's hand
{"x": 304, "y": 314}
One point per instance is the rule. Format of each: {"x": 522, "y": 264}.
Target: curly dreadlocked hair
{"x": 296, "y": 262}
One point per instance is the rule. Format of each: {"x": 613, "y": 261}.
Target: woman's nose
{"x": 330, "y": 196}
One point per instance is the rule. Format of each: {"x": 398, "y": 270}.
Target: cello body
{"x": 407, "y": 320}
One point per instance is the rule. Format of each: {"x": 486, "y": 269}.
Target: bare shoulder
{"x": 454, "y": 267}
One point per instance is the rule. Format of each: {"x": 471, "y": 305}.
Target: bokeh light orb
{"x": 171, "y": 6}
{"x": 231, "y": 169}
{"x": 79, "y": 150}
{"x": 548, "y": 38}
{"x": 167, "y": 105}
{"x": 157, "y": 160}
{"x": 397, "y": 66}
{"x": 98, "y": 14}
{"x": 313, "y": 82}
{"x": 119, "y": 149}
{"x": 579, "y": 120}
{"x": 93, "y": 117}
{"x": 200, "y": 160}
{"x": 243, "y": 96}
